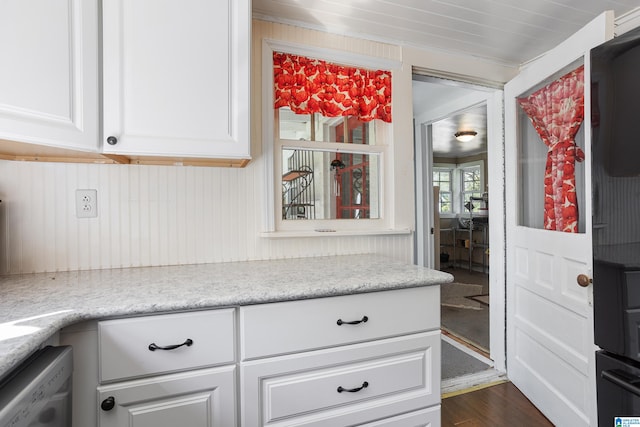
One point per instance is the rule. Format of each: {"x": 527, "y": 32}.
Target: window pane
{"x": 294, "y": 126}
{"x": 533, "y": 160}
{"x": 315, "y": 127}
{"x": 330, "y": 185}
{"x": 445, "y": 202}
{"x": 445, "y": 186}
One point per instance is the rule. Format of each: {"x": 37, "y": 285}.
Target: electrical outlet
{"x": 86, "y": 203}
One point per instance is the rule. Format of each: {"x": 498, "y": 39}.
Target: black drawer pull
{"x": 354, "y": 322}
{"x": 153, "y": 346}
{"x": 108, "y": 404}
{"x": 353, "y": 390}
{"x": 623, "y": 380}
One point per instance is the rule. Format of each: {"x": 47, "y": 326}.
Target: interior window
{"x": 330, "y": 163}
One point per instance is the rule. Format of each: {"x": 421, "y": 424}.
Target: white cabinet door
{"x": 204, "y": 398}
{"x": 176, "y": 78}
{"x": 49, "y": 72}
{"x": 550, "y": 347}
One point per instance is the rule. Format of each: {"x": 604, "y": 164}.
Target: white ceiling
{"x": 446, "y": 145}
{"x": 430, "y": 94}
{"x": 508, "y": 32}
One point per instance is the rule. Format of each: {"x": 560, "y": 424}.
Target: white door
{"x": 550, "y": 350}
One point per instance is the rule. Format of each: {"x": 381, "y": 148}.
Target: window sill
{"x": 332, "y": 233}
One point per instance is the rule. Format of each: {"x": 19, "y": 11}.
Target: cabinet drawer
{"x": 386, "y": 378}
{"x": 289, "y": 327}
{"x": 125, "y": 344}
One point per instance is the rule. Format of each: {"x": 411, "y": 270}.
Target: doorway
{"x": 455, "y": 180}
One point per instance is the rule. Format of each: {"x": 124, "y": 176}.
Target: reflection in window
{"x": 315, "y": 127}
{"x": 330, "y": 185}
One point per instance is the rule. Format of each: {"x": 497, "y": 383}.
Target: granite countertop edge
{"x": 34, "y": 307}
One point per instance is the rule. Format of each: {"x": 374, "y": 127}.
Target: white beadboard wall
{"x": 169, "y": 215}
{"x": 147, "y": 216}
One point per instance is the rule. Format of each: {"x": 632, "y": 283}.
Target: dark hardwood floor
{"x": 494, "y": 406}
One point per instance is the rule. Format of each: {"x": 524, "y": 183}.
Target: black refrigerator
{"x": 615, "y": 118}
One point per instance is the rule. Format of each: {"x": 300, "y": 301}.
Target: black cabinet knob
{"x": 112, "y": 140}
{"x": 108, "y": 404}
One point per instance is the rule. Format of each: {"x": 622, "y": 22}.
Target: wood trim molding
{"x": 15, "y": 151}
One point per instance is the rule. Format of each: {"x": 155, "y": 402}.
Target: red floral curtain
{"x": 556, "y": 112}
{"x": 313, "y": 86}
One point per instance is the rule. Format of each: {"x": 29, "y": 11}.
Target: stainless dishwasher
{"x": 38, "y": 392}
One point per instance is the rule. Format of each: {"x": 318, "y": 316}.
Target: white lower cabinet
{"x": 343, "y": 386}
{"x": 203, "y": 398}
{"x": 168, "y": 370}
{"x": 342, "y": 361}
{"x": 369, "y": 359}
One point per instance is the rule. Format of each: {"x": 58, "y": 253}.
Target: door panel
{"x": 550, "y": 350}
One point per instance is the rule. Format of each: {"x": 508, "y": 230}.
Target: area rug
{"x": 458, "y": 361}
{"x": 457, "y": 295}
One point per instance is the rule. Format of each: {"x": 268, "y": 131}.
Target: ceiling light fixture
{"x": 465, "y": 135}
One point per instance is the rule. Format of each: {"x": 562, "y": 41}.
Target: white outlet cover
{"x": 86, "y": 203}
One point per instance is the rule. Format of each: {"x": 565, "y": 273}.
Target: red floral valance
{"x": 313, "y": 86}
{"x": 556, "y": 112}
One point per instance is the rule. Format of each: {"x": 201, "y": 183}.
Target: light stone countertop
{"x": 34, "y": 307}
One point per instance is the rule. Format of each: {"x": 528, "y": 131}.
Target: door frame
{"x": 424, "y": 246}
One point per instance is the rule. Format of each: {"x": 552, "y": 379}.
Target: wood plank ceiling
{"x": 508, "y": 32}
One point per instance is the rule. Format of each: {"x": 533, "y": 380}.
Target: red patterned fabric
{"x": 312, "y": 86}
{"x": 556, "y": 112}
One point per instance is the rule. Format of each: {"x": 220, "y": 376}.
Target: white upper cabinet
{"x": 49, "y": 73}
{"x": 176, "y": 78}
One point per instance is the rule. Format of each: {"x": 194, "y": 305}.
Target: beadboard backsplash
{"x": 148, "y": 216}
{"x": 168, "y": 215}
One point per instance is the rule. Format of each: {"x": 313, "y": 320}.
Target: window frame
{"x": 274, "y": 225}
